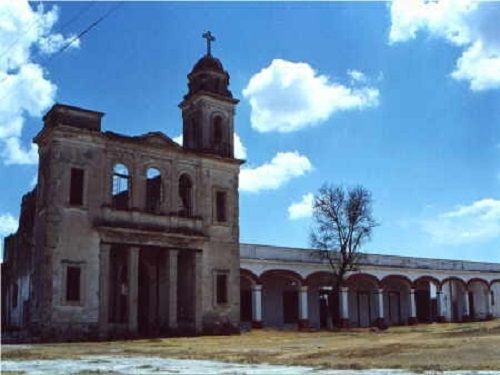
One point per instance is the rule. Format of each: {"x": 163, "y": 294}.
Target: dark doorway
{"x": 323, "y": 310}
{"x": 424, "y": 306}
{"x": 290, "y": 306}
{"x": 246, "y": 305}
{"x": 148, "y": 292}
{"x": 394, "y": 308}
{"x": 118, "y": 285}
{"x": 364, "y": 309}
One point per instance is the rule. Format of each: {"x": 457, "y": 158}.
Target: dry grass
{"x": 472, "y": 346}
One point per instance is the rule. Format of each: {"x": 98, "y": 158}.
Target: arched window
{"x": 121, "y": 187}
{"x": 186, "y": 195}
{"x": 217, "y": 131}
{"x": 195, "y": 134}
{"x": 153, "y": 190}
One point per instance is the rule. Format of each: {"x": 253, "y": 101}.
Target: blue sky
{"x": 401, "y": 98}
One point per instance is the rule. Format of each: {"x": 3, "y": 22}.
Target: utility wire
{"x": 82, "y": 33}
{"x": 85, "y": 31}
{"x": 82, "y": 11}
{"x": 35, "y": 23}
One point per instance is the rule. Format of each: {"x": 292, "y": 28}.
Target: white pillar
{"x": 413, "y": 308}
{"x": 440, "y": 306}
{"x": 489, "y": 299}
{"x": 381, "y": 303}
{"x": 303, "y": 303}
{"x": 344, "y": 301}
{"x": 467, "y": 304}
{"x": 257, "y": 306}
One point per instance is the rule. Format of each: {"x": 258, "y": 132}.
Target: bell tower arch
{"x": 208, "y": 108}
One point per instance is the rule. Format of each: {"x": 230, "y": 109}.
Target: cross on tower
{"x": 210, "y": 38}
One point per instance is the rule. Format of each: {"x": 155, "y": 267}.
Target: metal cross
{"x": 210, "y": 38}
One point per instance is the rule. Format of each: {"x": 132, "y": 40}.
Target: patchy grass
{"x": 470, "y": 346}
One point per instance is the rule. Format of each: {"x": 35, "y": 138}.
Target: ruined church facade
{"x": 130, "y": 235}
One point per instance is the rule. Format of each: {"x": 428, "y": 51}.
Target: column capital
{"x": 303, "y": 288}
{"x": 380, "y": 290}
{"x": 412, "y": 291}
{"x": 257, "y": 287}
{"x": 344, "y": 289}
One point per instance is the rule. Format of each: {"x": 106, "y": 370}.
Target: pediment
{"x": 158, "y": 139}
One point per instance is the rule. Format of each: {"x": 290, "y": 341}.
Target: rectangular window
{"x": 220, "y": 198}
{"x": 76, "y": 187}
{"x": 221, "y": 288}
{"x": 73, "y": 284}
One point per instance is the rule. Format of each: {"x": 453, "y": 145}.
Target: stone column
{"x": 466, "y": 317}
{"x": 303, "y": 308}
{"x": 489, "y": 304}
{"x": 380, "y": 299}
{"x": 344, "y": 307}
{"x": 197, "y": 290}
{"x": 413, "y": 308}
{"x": 257, "y": 306}
{"x": 172, "y": 257}
{"x": 440, "y": 306}
{"x": 104, "y": 253}
{"x": 133, "y": 285}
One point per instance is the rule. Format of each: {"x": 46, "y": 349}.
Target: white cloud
{"x": 8, "y": 224}
{"x": 178, "y": 139}
{"x": 288, "y": 96}
{"x": 34, "y": 181}
{"x": 301, "y": 209}
{"x": 24, "y": 89}
{"x": 466, "y": 23}
{"x": 477, "y": 222}
{"x": 272, "y": 175}
{"x": 240, "y": 151}
{"x": 356, "y": 76}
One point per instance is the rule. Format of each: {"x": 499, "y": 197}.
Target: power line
{"x": 35, "y": 23}
{"x": 85, "y": 31}
{"x": 72, "y": 40}
{"x": 83, "y": 10}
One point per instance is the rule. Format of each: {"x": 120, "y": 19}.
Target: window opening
{"x": 73, "y": 283}
{"x": 220, "y": 199}
{"x": 221, "y": 288}
{"x": 121, "y": 185}
{"x": 185, "y": 194}
{"x": 76, "y": 187}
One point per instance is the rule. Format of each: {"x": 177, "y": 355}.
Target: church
{"x": 130, "y": 236}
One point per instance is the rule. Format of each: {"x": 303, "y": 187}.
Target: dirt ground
{"x": 465, "y": 346}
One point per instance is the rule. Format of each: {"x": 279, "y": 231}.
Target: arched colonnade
{"x": 283, "y": 298}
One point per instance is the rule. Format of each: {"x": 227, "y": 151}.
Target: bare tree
{"x": 343, "y": 221}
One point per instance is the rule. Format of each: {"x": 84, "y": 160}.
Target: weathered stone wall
{"x": 72, "y": 235}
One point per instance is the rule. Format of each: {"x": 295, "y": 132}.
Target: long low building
{"x": 283, "y": 287}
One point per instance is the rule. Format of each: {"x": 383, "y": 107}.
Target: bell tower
{"x": 208, "y": 108}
